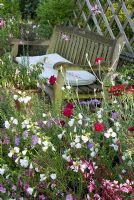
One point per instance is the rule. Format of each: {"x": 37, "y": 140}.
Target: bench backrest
{"x": 74, "y": 43}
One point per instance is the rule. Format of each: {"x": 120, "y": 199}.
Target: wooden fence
{"x": 109, "y": 19}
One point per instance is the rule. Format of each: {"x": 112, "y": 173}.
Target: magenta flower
{"x": 2, "y": 23}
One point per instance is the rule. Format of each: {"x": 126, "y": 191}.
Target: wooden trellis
{"x": 94, "y": 16}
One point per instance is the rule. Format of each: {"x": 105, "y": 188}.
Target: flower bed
{"x": 85, "y": 153}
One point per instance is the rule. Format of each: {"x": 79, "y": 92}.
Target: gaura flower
{"x": 2, "y": 23}
{"x": 95, "y": 9}
{"x": 98, "y": 61}
{"x": 99, "y": 127}
{"x": 52, "y": 80}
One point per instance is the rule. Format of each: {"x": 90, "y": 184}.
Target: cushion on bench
{"x": 73, "y": 78}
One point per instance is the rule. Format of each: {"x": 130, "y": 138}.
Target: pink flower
{"x": 52, "y": 80}
{"x": 95, "y": 9}
{"x": 2, "y": 23}
{"x": 91, "y": 186}
{"x": 69, "y": 197}
{"x": 98, "y": 61}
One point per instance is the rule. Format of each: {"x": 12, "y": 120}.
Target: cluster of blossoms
{"x": 22, "y": 97}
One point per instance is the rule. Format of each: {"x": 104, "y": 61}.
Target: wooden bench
{"x": 78, "y": 46}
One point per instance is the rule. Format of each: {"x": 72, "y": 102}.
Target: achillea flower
{"x": 117, "y": 89}
{"x": 131, "y": 89}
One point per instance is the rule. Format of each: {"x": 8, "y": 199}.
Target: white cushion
{"x": 80, "y": 77}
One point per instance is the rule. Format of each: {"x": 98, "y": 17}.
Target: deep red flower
{"x": 99, "y": 127}
{"x": 131, "y": 89}
{"x": 117, "y": 88}
{"x": 131, "y": 128}
{"x": 62, "y": 123}
{"x": 52, "y": 80}
{"x": 98, "y": 61}
{"x": 67, "y": 112}
{"x": 70, "y": 105}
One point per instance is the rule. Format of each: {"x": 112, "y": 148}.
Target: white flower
{"x": 72, "y": 144}
{"x": 123, "y": 158}
{"x": 77, "y": 139}
{"x": 15, "y": 97}
{"x": 53, "y": 176}
{"x": 84, "y": 138}
{"x": 117, "y": 124}
{"x": 43, "y": 115}
{"x": 24, "y": 163}
{"x": 30, "y": 190}
{"x": 80, "y": 122}
{"x": 68, "y": 87}
{"x": 71, "y": 122}
{"x": 113, "y": 134}
{"x": 26, "y": 99}
{"x": 20, "y": 99}
{"x": 99, "y": 116}
{"x": 123, "y": 171}
{"x": 39, "y": 141}
{"x": 16, "y": 150}
{"x": 63, "y": 88}
{"x": 7, "y": 125}
{"x": 80, "y": 116}
{"x": 31, "y": 166}
{"x": 42, "y": 177}
{"x": 60, "y": 136}
{"x": 15, "y": 121}
{"x": 129, "y": 163}
{"x": 93, "y": 154}
{"x": 44, "y": 148}
{"x": 24, "y": 152}
{"x": 107, "y": 135}
{"x": 2, "y": 171}
{"x": 114, "y": 146}
{"x": 115, "y": 140}
{"x": 78, "y": 146}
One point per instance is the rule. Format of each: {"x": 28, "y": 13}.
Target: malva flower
{"x": 98, "y": 61}
{"x": 99, "y": 127}
{"x": 131, "y": 128}
{"x": 67, "y": 112}
{"x": 52, "y": 80}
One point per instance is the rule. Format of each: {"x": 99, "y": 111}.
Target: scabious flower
{"x": 34, "y": 140}
{"x": 52, "y": 80}
{"x": 17, "y": 141}
{"x": 69, "y": 197}
{"x": 53, "y": 176}
{"x": 24, "y": 163}
{"x": 99, "y": 127}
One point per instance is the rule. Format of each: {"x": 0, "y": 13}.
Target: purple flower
{"x": 34, "y": 140}
{"x": 90, "y": 145}
{"x": 17, "y": 141}
{"x": 114, "y": 115}
{"x": 91, "y": 102}
{"x": 69, "y": 197}
{"x": 25, "y": 134}
{"x": 6, "y": 140}
{"x": 2, "y": 189}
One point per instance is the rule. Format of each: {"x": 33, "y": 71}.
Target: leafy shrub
{"x": 52, "y": 12}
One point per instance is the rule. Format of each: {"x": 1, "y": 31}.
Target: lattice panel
{"x": 109, "y": 19}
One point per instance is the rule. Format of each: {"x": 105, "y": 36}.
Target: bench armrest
{"x": 70, "y": 66}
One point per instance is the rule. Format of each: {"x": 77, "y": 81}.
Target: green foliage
{"x": 52, "y": 12}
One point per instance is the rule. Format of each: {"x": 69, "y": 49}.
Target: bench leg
{"x": 57, "y": 102}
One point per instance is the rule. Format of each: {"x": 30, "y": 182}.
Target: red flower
{"x": 62, "y": 123}
{"x": 131, "y": 89}
{"x": 98, "y": 61}
{"x": 70, "y": 105}
{"x": 116, "y": 89}
{"x": 131, "y": 128}
{"x": 52, "y": 80}
{"x": 67, "y": 112}
{"x": 99, "y": 127}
